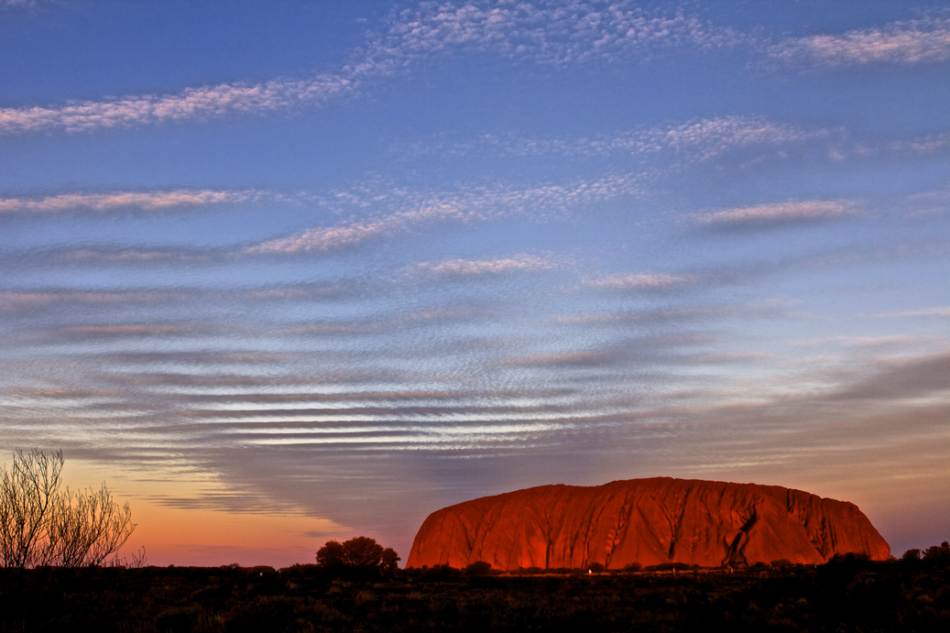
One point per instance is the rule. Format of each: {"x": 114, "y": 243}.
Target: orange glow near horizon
{"x": 199, "y": 536}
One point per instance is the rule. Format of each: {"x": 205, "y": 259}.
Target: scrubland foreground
{"x": 846, "y": 594}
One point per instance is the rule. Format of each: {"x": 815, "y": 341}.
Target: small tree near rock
{"x": 359, "y": 554}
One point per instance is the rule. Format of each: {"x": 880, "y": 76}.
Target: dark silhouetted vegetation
{"x": 848, "y": 594}
{"x": 42, "y": 525}
{"x": 478, "y": 568}
{"x": 360, "y": 556}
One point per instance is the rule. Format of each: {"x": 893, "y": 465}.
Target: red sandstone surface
{"x": 646, "y": 521}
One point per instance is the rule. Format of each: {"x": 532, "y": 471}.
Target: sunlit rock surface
{"x": 646, "y": 521}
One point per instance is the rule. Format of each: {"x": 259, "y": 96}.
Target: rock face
{"x": 646, "y": 521}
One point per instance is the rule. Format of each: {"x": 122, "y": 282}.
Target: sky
{"x": 287, "y": 272}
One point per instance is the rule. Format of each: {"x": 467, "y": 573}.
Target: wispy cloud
{"x": 901, "y": 379}
{"x": 470, "y": 206}
{"x": 646, "y": 317}
{"x": 478, "y": 267}
{"x": 593, "y": 358}
{"x": 567, "y": 33}
{"x": 56, "y": 298}
{"x": 132, "y": 256}
{"x": 207, "y": 357}
{"x": 640, "y": 281}
{"x": 713, "y": 136}
{"x": 371, "y": 326}
{"x": 927, "y": 313}
{"x": 28, "y": 301}
{"x": 908, "y": 42}
{"x": 347, "y": 235}
{"x": 300, "y": 292}
{"x": 654, "y": 350}
{"x": 124, "y": 200}
{"x": 700, "y": 139}
{"x": 776, "y": 214}
{"x": 922, "y": 145}
{"x": 125, "y": 331}
{"x": 204, "y": 102}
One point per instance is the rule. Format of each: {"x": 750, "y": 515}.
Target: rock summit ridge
{"x": 646, "y": 521}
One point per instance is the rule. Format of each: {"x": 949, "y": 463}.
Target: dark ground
{"x": 845, "y": 595}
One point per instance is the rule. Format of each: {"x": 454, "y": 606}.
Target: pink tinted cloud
{"x": 640, "y": 281}
{"x": 567, "y": 32}
{"x": 701, "y": 139}
{"x": 121, "y": 200}
{"x": 421, "y": 210}
{"x": 205, "y": 102}
{"x": 472, "y": 268}
{"x": 572, "y": 32}
{"x": 774, "y": 214}
{"x": 910, "y": 42}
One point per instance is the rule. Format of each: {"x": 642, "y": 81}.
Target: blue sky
{"x": 318, "y": 269}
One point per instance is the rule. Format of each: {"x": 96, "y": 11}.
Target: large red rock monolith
{"x": 646, "y": 521}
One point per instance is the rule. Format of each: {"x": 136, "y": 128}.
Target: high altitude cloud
{"x": 34, "y": 300}
{"x": 557, "y": 33}
{"x": 131, "y": 255}
{"x": 902, "y": 379}
{"x": 471, "y": 206}
{"x": 700, "y": 138}
{"x": 132, "y": 330}
{"x": 204, "y": 102}
{"x": 560, "y": 34}
{"x": 121, "y": 200}
{"x": 710, "y": 137}
{"x": 923, "y": 145}
{"x": 570, "y": 32}
{"x": 775, "y": 214}
{"x": 927, "y": 313}
{"x": 477, "y": 267}
{"x": 910, "y": 42}
{"x": 639, "y": 281}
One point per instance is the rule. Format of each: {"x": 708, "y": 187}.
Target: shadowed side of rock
{"x": 646, "y": 521}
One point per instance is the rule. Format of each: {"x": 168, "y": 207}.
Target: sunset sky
{"x": 292, "y": 271}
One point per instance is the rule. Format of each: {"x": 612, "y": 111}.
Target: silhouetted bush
{"x": 879, "y": 596}
{"x": 912, "y": 555}
{"x": 633, "y": 567}
{"x": 849, "y": 558}
{"x": 360, "y": 555}
{"x": 440, "y": 573}
{"x": 849, "y": 596}
{"x": 478, "y": 568}
{"x": 937, "y": 553}
{"x": 298, "y": 570}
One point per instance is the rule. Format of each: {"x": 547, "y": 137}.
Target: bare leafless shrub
{"x": 137, "y": 560}
{"x": 41, "y": 525}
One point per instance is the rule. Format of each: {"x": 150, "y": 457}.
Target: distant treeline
{"x": 847, "y": 594}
